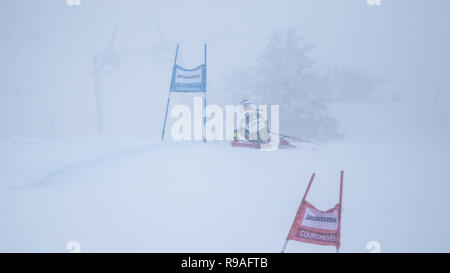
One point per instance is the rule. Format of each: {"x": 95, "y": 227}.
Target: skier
{"x": 253, "y": 127}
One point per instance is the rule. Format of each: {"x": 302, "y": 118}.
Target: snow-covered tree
{"x": 284, "y": 74}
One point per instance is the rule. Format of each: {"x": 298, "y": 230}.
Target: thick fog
{"x": 82, "y": 82}
{"x": 48, "y": 47}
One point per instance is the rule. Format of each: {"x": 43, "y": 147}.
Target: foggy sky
{"x": 47, "y": 47}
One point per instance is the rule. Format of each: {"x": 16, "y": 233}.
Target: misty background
{"x": 377, "y": 68}
{"x": 370, "y": 83}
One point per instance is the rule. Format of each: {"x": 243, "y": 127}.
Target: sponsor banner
{"x": 316, "y": 236}
{"x": 320, "y": 220}
{"x": 315, "y": 226}
{"x": 188, "y": 80}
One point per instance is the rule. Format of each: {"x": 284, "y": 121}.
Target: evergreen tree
{"x": 284, "y": 74}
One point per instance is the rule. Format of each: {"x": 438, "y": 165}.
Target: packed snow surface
{"x": 127, "y": 195}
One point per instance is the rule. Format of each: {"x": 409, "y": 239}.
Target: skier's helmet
{"x": 245, "y": 102}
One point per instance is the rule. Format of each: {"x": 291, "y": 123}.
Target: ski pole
{"x": 298, "y": 139}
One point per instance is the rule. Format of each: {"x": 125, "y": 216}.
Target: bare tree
{"x": 345, "y": 85}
